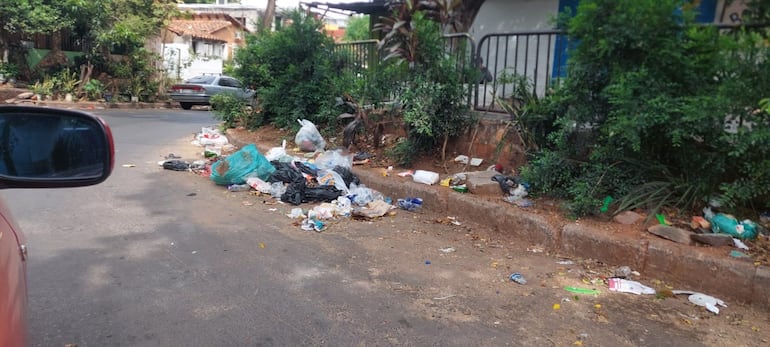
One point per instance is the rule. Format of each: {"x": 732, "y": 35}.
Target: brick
{"x": 481, "y": 183}
{"x": 716, "y": 240}
{"x": 627, "y": 217}
{"x": 672, "y": 233}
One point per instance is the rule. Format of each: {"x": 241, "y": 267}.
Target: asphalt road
{"x": 163, "y": 258}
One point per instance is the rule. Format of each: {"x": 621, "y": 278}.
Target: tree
{"x": 94, "y": 21}
{"x": 358, "y": 29}
{"x": 267, "y": 20}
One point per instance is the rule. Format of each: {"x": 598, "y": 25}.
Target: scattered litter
{"x": 476, "y": 161}
{"x": 606, "y": 204}
{"x": 738, "y": 254}
{"x": 535, "y": 250}
{"x": 238, "y": 188}
{"x": 192, "y": 194}
{"x": 445, "y": 297}
{"x": 623, "y": 271}
{"x": 272, "y": 209}
{"x": 427, "y": 262}
{"x": 261, "y": 245}
{"x": 447, "y": 250}
{"x": 518, "y": 278}
{"x": 194, "y": 252}
{"x": 247, "y": 203}
{"x": 425, "y": 177}
{"x": 406, "y": 173}
{"x": 462, "y": 159}
{"x": 556, "y": 307}
{"x": 740, "y": 244}
{"x": 578, "y": 290}
{"x": 700, "y": 299}
{"x": 296, "y": 213}
{"x": 176, "y": 165}
{"x": 374, "y": 209}
{"x": 565, "y": 262}
{"x": 308, "y": 138}
{"x": 237, "y": 167}
{"x": 310, "y": 225}
{"x": 722, "y": 223}
{"x": 409, "y": 204}
{"x": 128, "y": 165}
{"x": 628, "y": 286}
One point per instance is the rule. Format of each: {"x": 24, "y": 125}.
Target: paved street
{"x": 163, "y": 258}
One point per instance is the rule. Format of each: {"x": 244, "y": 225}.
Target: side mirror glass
{"x": 43, "y": 147}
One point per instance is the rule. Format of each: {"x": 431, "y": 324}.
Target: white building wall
{"x": 531, "y": 56}
{"x": 180, "y": 64}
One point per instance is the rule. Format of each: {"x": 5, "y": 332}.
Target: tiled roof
{"x": 202, "y": 29}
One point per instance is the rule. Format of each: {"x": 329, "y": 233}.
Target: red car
{"x": 41, "y": 148}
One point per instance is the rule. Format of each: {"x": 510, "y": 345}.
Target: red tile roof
{"x": 202, "y": 29}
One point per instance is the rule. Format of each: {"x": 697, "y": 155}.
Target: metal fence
{"x": 539, "y": 57}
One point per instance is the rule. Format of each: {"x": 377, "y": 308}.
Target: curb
{"x": 688, "y": 267}
{"x": 89, "y": 105}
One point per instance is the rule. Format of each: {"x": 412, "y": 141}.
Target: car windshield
{"x": 201, "y": 79}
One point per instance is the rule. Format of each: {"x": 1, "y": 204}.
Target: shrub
{"x": 290, "y": 70}
{"x": 644, "y": 109}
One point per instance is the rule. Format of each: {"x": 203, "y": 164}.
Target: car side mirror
{"x": 48, "y": 148}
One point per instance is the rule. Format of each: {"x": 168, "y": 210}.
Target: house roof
{"x": 373, "y": 7}
{"x": 204, "y": 25}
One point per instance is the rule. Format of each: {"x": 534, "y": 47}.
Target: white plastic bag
{"x": 258, "y": 184}
{"x": 329, "y": 159}
{"x": 276, "y": 153}
{"x": 308, "y": 138}
{"x": 211, "y": 136}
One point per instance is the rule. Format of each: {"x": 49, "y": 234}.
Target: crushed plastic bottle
{"x": 518, "y": 278}
{"x": 238, "y": 187}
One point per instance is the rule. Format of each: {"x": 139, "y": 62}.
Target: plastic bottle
{"x": 518, "y": 278}
{"x": 238, "y": 187}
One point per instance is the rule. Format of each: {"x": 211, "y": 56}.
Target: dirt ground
{"x": 549, "y": 209}
{"x": 456, "y": 270}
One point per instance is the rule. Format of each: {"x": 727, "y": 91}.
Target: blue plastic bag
{"x": 237, "y": 167}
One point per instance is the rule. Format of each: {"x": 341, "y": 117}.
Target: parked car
{"x": 41, "y": 148}
{"x": 199, "y": 90}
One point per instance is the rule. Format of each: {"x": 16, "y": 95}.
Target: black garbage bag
{"x": 285, "y": 173}
{"x": 321, "y": 193}
{"x": 507, "y": 183}
{"x": 347, "y": 175}
{"x": 176, "y": 165}
{"x": 306, "y": 169}
{"x": 295, "y": 192}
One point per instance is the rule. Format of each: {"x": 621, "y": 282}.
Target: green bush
{"x": 290, "y": 70}
{"x": 642, "y": 111}
{"x": 229, "y": 109}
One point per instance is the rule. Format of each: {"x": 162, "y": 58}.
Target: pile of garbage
{"x": 311, "y": 174}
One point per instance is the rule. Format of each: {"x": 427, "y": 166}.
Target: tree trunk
{"x": 55, "y": 57}
{"x": 267, "y": 20}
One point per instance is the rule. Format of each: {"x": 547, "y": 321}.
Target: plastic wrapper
{"x": 330, "y": 159}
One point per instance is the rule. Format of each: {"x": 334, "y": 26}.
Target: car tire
{"x": 185, "y": 105}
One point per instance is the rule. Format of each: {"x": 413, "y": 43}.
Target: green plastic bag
{"x": 237, "y": 167}
{"x": 722, "y": 223}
